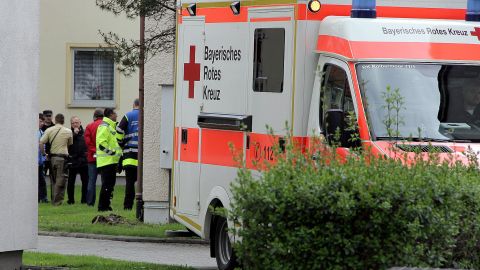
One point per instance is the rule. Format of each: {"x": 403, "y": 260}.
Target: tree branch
{"x": 159, "y": 37}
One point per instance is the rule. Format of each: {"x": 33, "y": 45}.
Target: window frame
{"x": 348, "y": 91}
{"x": 69, "y": 84}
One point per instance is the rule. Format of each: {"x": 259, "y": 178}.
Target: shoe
{"x": 105, "y": 209}
{"x": 44, "y": 201}
{"x": 71, "y": 202}
{"x": 127, "y": 208}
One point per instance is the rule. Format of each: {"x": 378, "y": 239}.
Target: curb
{"x": 169, "y": 240}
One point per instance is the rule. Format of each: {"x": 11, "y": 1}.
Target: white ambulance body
{"x": 267, "y": 65}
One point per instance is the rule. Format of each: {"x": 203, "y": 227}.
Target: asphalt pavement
{"x": 193, "y": 255}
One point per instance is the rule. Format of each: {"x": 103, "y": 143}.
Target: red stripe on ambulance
{"x": 221, "y": 147}
{"x": 189, "y": 144}
{"x": 398, "y": 50}
{"x": 224, "y": 14}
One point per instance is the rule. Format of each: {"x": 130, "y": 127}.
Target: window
{"x": 268, "y": 62}
{"x": 336, "y": 92}
{"x": 336, "y": 95}
{"x": 440, "y": 101}
{"x": 93, "y": 78}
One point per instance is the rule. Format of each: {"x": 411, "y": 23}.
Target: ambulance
{"x": 244, "y": 65}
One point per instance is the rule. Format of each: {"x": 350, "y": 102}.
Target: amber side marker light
{"x": 314, "y": 6}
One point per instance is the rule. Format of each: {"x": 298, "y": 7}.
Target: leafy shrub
{"x": 323, "y": 214}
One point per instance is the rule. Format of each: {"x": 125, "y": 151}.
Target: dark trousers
{"x": 72, "y": 175}
{"x": 92, "y": 183}
{"x": 108, "y": 174}
{"x": 42, "y": 185}
{"x": 130, "y": 179}
{"x": 47, "y": 168}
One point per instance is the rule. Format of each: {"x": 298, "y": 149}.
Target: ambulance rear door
{"x": 189, "y": 98}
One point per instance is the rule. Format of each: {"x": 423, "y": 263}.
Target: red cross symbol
{"x": 476, "y": 32}
{"x": 191, "y": 72}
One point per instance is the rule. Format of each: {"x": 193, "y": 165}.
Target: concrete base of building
{"x": 156, "y": 212}
{"x": 11, "y": 260}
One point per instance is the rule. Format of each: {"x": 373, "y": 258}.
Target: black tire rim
{"x": 224, "y": 246}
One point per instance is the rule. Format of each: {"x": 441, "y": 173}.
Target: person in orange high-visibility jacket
{"x": 108, "y": 154}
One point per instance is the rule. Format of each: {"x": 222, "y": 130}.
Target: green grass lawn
{"x": 78, "y": 218}
{"x": 89, "y": 262}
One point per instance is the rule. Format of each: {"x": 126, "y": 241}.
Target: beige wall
{"x": 158, "y": 70}
{"x": 67, "y": 22}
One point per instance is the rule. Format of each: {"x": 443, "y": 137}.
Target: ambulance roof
{"x": 405, "y": 3}
{"x": 400, "y": 38}
{"x": 396, "y": 3}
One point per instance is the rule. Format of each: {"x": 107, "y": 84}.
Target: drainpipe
{"x": 141, "y": 97}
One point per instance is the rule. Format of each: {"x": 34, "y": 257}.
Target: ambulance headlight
{"x": 192, "y": 9}
{"x": 473, "y": 10}
{"x": 314, "y": 6}
{"x": 364, "y": 9}
{"x": 235, "y": 7}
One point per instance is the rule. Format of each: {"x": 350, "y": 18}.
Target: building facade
{"x": 76, "y": 76}
{"x": 77, "y": 71}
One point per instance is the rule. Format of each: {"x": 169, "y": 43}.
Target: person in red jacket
{"x": 90, "y": 135}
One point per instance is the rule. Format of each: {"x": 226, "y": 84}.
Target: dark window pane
{"x": 269, "y": 54}
{"x": 336, "y": 91}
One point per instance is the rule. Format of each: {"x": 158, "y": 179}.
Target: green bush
{"x": 323, "y": 214}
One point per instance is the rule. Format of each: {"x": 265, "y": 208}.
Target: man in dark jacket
{"x": 42, "y": 185}
{"x": 47, "y": 123}
{"x": 78, "y": 159}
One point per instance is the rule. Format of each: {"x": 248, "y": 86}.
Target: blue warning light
{"x": 364, "y": 9}
{"x": 473, "y": 10}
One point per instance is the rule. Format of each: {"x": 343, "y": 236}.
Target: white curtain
{"x": 93, "y": 75}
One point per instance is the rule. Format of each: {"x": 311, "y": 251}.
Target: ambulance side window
{"x": 268, "y": 61}
{"x": 335, "y": 92}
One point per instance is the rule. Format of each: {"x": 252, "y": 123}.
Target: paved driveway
{"x": 194, "y": 255}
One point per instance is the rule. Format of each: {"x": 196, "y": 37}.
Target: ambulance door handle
{"x": 184, "y": 136}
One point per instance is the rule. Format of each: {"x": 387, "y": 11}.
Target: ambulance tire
{"x": 226, "y": 259}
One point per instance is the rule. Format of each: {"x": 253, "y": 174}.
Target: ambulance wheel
{"x": 224, "y": 254}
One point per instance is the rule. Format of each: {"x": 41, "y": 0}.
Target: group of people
{"x": 104, "y": 147}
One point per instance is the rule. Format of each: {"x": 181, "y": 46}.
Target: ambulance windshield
{"x": 427, "y": 101}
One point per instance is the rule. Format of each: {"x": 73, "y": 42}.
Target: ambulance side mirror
{"x": 334, "y": 121}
